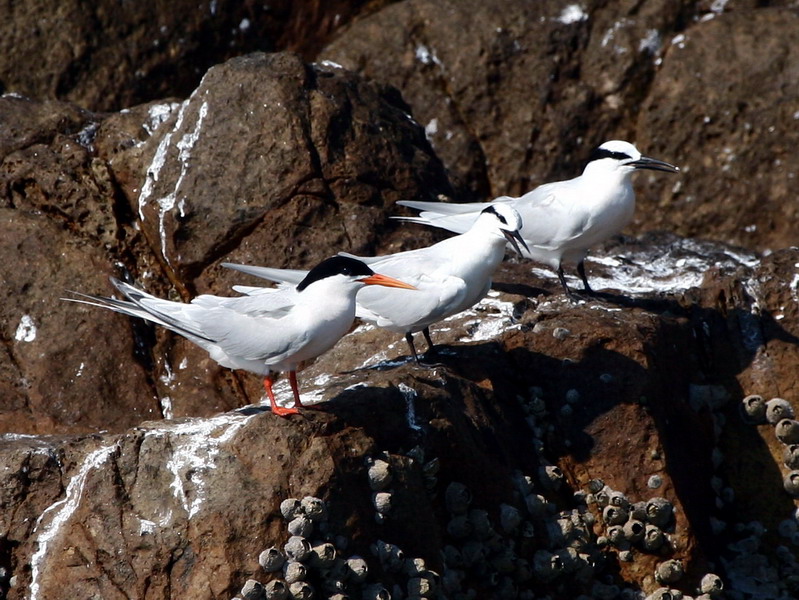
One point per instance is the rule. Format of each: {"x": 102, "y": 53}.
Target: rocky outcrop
{"x": 538, "y": 407}
{"x": 637, "y": 443}
{"x": 111, "y": 56}
{"x": 515, "y": 94}
{"x": 268, "y": 158}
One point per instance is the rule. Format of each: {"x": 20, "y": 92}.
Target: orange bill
{"x": 385, "y": 280}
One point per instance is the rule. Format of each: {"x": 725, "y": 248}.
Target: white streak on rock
{"x": 62, "y": 510}
{"x": 196, "y": 445}
{"x": 410, "y": 395}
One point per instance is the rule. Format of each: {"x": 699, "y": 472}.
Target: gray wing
{"x": 293, "y": 276}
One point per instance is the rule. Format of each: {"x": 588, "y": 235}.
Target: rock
{"x": 111, "y": 57}
{"x": 537, "y": 406}
{"x": 724, "y": 139}
{"x": 61, "y": 177}
{"x": 515, "y": 94}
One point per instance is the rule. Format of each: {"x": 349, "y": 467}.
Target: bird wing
{"x": 293, "y": 276}
{"x": 404, "y": 310}
{"x": 457, "y": 218}
{"x": 552, "y": 215}
{"x": 251, "y": 335}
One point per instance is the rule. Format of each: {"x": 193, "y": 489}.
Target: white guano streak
{"x": 197, "y": 454}
{"x": 185, "y": 146}
{"x": 61, "y": 511}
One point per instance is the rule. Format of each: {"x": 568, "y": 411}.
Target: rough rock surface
{"x": 109, "y": 55}
{"x": 640, "y": 391}
{"x": 134, "y": 467}
{"x": 515, "y": 94}
{"x": 286, "y": 163}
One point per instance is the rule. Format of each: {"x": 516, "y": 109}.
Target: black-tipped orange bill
{"x": 385, "y": 280}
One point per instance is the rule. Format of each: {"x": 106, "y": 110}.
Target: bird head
{"x": 504, "y": 218}
{"x": 618, "y": 155}
{"x": 345, "y": 269}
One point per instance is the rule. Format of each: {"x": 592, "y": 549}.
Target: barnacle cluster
{"x": 642, "y": 526}
{"x": 311, "y": 563}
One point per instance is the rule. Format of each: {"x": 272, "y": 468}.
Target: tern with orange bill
{"x": 267, "y": 333}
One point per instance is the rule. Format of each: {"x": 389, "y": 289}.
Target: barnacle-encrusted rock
{"x": 602, "y": 496}
{"x": 527, "y": 530}
{"x": 614, "y": 515}
{"x": 481, "y": 524}
{"x": 551, "y": 477}
{"x": 659, "y": 511}
{"x": 271, "y": 559}
{"x": 382, "y": 502}
{"x": 314, "y": 508}
{"x": 453, "y": 557}
{"x": 379, "y": 475}
{"x": 391, "y": 556}
{"x": 634, "y": 530}
{"x": 595, "y": 485}
{"x": 297, "y": 548}
{"x": 711, "y": 584}
{"x": 300, "y": 525}
{"x": 357, "y": 568}
{"x": 787, "y": 431}
{"x": 669, "y": 571}
{"x": 376, "y": 591}
{"x": 604, "y": 591}
{"x": 472, "y": 553}
{"x": 421, "y": 586}
{"x": 460, "y": 527}
{"x": 503, "y": 561}
{"x": 662, "y": 593}
{"x": 301, "y": 590}
{"x": 294, "y": 571}
{"x": 791, "y": 483}
{"x": 616, "y": 498}
{"x": 753, "y": 409}
{"x": 457, "y": 498}
{"x": 790, "y": 456}
{"x": 252, "y": 590}
{"x": 414, "y": 566}
{"x": 290, "y": 508}
{"x": 638, "y": 511}
{"x": 451, "y": 580}
{"x": 537, "y": 505}
{"x": 615, "y": 535}
{"x": 654, "y": 538}
{"x": 323, "y": 555}
{"x": 546, "y": 566}
{"x": 277, "y": 589}
{"x": 778, "y": 409}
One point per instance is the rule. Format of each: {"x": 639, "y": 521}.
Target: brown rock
{"x": 117, "y": 55}
{"x": 67, "y": 368}
{"x": 514, "y": 94}
{"x": 731, "y": 126}
{"x": 295, "y": 154}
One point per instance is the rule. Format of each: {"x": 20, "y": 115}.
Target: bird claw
{"x": 282, "y": 411}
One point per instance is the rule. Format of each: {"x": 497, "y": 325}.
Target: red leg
{"x": 295, "y": 388}
{"x": 278, "y": 410}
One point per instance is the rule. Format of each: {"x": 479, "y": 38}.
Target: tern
{"x": 450, "y": 276}
{"x": 266, "y": 333}
{"x": 563, "y": 219}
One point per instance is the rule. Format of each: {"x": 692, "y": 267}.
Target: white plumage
{"x": 563, "y": 219}
{"x": 449, "y": 276}
{"x": 264, "y": 333}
